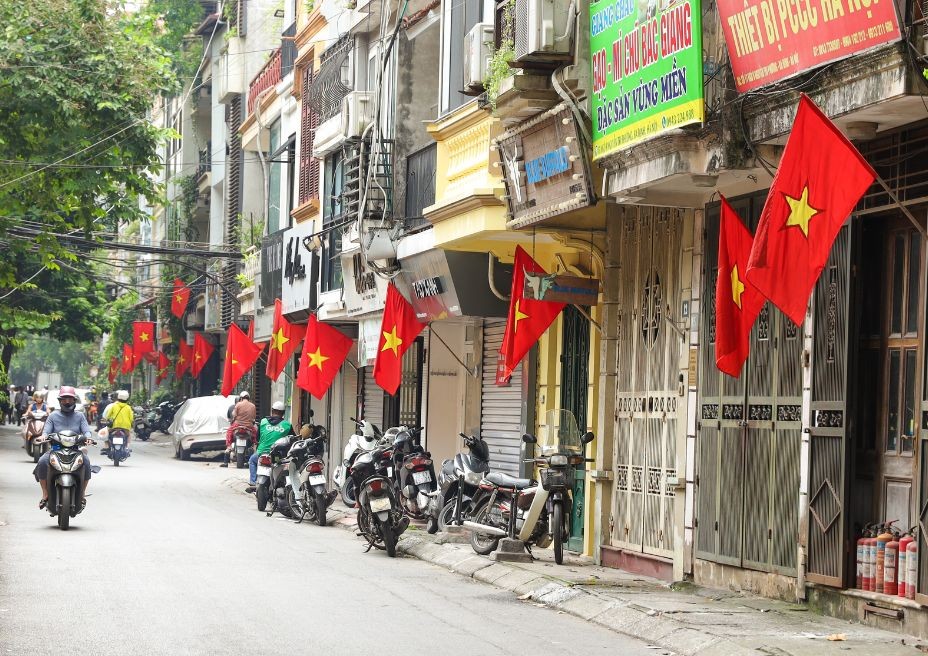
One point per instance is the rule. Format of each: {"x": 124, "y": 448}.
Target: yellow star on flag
{"x": 197, "y": 357}
{"x": 800, "y": 212}
{"x": 316, "y": 359}
{"x": 737, "y": 287}
{"x": 144, "y": 337}
{"x": 181, "y": 359}
{"x": 279, "y": 340}
{"x": 234, "y": 361}
{"x": 519, "y": 316}
{"x": 391, "y": 341}
{"x": 179, "y": 298}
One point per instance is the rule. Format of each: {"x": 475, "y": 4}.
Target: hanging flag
{"x": 184, "y": 356}
{"x": 151, "y": 357}
{"x": 285, "y": 338}
{"x": 737, "y": 301}
{"x": 324, "y": 351}
{"x": 180, "y": 297}
{"x": 164, "y": 365}
{"x": 820, "y": 180}
{"x": 128, "y": 359}
{"x": 202, "y": 350}
{"x": 114, "y": 370}
{"x": 143, "y": 338}
{"x": 398, "y": 331}
{"x": 241, "y": 355}
{"x": 528, "y": 319}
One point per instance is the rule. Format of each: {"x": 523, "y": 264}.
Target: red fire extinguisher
{"x": 869, "y": 563}
{"x": 911, "y": 565}
{"x": 881, "y": 541}
{"x": 902, "y": 567}
{"x": 890, "y": 564}
{"x": 861, "y": 556}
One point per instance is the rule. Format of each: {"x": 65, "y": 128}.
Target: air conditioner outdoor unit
{"x": 357, "y": 113}
{"x": 478, "y": 47}
{"x": 541, "y": 31}
{"x": 231, "y": 77}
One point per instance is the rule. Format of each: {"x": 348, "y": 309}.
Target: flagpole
{"x": 905, "y": 210}
{"x": 283, "y": 371}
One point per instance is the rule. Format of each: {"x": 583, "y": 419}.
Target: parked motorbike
{"x": 142, "y": 424}
{"x": 541, "y": 510}
{"x": 307, "y": 493}
{"x": 415, "y": 475}
{"x": 66, "y": 476}
{"x": 243, "y": 441}
{"x": 118, "y": 451}
{"x": 380, "y": 516}
{"x": 459, "y": 484}
{"x": 364, "y": 439}
{"x": 271, "y": 482}
{"x": 164, "y": 415}
{"x": 35, "y": 447}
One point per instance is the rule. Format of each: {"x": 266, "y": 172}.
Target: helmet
{"x": 122, "y": 395}
{"x": 67, "y": 406}
{"x": 278, "y": 406}
{"x": 244, "y": 395}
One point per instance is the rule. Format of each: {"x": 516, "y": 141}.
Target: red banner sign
{"x": 770, "y": 40}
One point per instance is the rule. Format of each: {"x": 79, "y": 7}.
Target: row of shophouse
{"x": 359, "y": 137}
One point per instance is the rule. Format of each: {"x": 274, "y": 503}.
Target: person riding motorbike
{"x": 243, "y": 417}
{"x": 21, "y": 403}
{"x": 106, "y": 401}
{"x": 270, "y": 430}
{"x": 63, "y": 419}
{"x": 37, "y": 405}
{"x": 120, "y": 417}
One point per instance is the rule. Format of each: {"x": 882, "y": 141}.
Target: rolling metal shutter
{"x": 500, "y": 407}
{"x": 373, "y": 399}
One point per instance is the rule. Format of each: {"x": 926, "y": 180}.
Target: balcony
{"x": 267, "y": 77}
{"x": 204, "y": 166}
{"x": 247, "y": 280}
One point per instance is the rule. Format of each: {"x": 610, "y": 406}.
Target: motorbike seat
{"x": 505, "y": 480}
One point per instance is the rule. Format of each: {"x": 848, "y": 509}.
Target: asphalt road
{"x": 170, "y": 558}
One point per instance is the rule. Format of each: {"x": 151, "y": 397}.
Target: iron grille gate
{"x": 749, "y": 433}
{"x": 500, "y": 406}
{"x": 648, "y": 407}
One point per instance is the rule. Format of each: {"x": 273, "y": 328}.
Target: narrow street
{"x": 169, "y": 559}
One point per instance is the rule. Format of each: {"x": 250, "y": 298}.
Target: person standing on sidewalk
{"x": 271, "y": 429}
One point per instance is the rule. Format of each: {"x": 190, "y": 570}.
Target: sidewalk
{"x": 680, "y": 619}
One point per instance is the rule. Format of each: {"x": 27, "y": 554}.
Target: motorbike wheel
{"x": 483, "y": 544}
{"x": 36, "y": 453}
{"x": 240, "y": 460}
{"x": 320, "y": 510}
{"x": 64, "y": 513}
{"x": 261, "y": 494}
{"x": 446, "y": 516}
{"x": 431, "y": 526}
{"x": 297, "y": 512}
{"x": 349, "y": 494}
{"x": 116, "y": 459}
{"x": 389, "y": 537}
{"x": 557, "y": 528}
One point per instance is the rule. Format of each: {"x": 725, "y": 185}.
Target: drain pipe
{"x": 490, "y": 267}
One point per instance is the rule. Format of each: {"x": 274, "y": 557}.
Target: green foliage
{"x": 71, "y": 359}
{"x": 175, "y": 20}
{"x": 498, "y": 69}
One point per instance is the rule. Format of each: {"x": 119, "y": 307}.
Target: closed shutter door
{"x": 500, "y": 407}
{"x": 373, "y": 399}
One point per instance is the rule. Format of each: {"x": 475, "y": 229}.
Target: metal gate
{"x": 648, "y": 403}
{"x": 749, "y": 432}
{"x": 372, "y": 396}
{"x": 500, "y": 407}
{"x": 405, "y": 407}
{"x": 575, "y": 377}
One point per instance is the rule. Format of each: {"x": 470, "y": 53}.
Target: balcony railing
{"x": 288, "y": 50}
{"x": 203, "y": 163}
{"x": 267, "y": 77}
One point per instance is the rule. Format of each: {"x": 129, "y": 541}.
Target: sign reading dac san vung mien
{"x": 647, "y": 70}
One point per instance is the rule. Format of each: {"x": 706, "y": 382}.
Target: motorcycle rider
{"x": 65, "y": 418}
{"x": 21, "y": 403}
{"x": 243, "y": 417}
{"x": 271, "y": 429}
{"x": 37, "y": 405}
{"x": 120, "y": 416}
{"x": 107, "y": 399}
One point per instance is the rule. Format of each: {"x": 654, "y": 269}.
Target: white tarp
{"x": 202, "y": 415}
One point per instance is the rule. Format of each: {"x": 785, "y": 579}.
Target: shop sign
{"x": 296, "y": 273}
{"x": 427, "y": 282}
{"x": 272, "y": 256}
{"x": 213, "y": 310}
{"x": 368, "y": 340}
{"x": 771, "y": 40}
{"x": 647, "y": 70}
{"x": 561, "y": 289}
{"x": 428, "y": 287}
{"x": 546, "y": 171}
{"x": 364, "y": 290}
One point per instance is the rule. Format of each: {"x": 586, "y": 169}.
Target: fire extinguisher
{"x": 890, "y": 567}
{"x": 902, "y": 567}
{"x": 881, "y": 541}
{"x": 911, "y": 565}
{"x": 870, "y": 564}
{"x": 861, "y": 556}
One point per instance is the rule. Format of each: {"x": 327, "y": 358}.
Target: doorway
{"x": 575, "y": 376}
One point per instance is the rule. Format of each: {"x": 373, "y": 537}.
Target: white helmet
{"x": 244, "y": 395}
{"x": 278, "y": 406}
{"x": 122, "y": 395}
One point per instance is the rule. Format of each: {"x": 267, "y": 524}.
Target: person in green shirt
{"x": 270, "y": 430}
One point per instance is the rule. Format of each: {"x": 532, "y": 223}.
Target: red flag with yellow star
{"x": 184, "y": 356}
{"x": 324, "y": 350}
{"x": 128, "y": 359}
{"x": 285, "y": 338}
{"x": 114, "y": 370}
{"x": 820, "y": 180}
{"x": 202, "y": 350}
{"x": 180, "y": 297}
{"x": 398, "y": 331}
{"x": 737, "y": 301}
{"x": 164, "y": 365}
{"x": 241, "y": 355}
{"x": 143, "y": 338}
{"x": 528, "y": 319}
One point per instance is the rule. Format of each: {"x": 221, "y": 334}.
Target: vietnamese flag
{"x": 202, "y": 350}
{"x": 324, "y": 351}
{"x": 241, "y": 355}
{"x": 398, "y": 331}
{"x": 163, "y": 366}
{"x": 285, "y": 337}
{"x": 528, "y": 319}
{"x": 143, "y": 338}
{"x": 184, "y": 356}
{"x": 128, "y": 359}
{"x": 114, "y": 369}
{"x": 180, "y": 297}
{"x": 820, "y": 180}
{"x": 737, "y": 301}
{"x": 151, "y": 357}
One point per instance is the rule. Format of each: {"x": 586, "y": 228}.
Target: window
{"x": 309, "y": 120}
{"x": 420, "y": 185}
{"x": 273, "y": 180}
{"x": 332, "y": 216}
{"x": 459, "y": 17}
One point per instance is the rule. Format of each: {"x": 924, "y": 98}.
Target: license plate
{"x": 317, "y": 479}
{"x": 264, "y": 471}
{"x": 422, "y": 477}
{"x": 380, "y": 504}
{"x": 118, "y": 441}
{"x": 241, "y": 442}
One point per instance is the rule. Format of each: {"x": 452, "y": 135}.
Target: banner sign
{"x": 561, "y": 289}
{"x": 770, "y": 40}
{"x": 647, "y": 70}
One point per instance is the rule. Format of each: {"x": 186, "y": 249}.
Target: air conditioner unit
{"x": 231, "y": 77}
{"x": 541, "y": 31}
{"x": 478, "y": 50}
{"x": 357, "y": 113}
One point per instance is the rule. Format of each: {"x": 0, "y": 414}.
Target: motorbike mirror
{"x": 529, "y": 439}
{"x": 588, "y": 437}
{"x": 311, "y": 413}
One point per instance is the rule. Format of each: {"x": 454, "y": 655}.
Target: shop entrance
{"x": 575, "y": 376}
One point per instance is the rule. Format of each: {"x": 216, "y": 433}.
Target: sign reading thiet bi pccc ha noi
{"x": 647, "y": 70}
{"x": 769, "y": 40}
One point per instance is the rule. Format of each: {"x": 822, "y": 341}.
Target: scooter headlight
{"x": 54, "y": 462}
{"x": 78, "y": 463}
{"x": 558, "y": 460}
{"x": 473, "y": 478}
